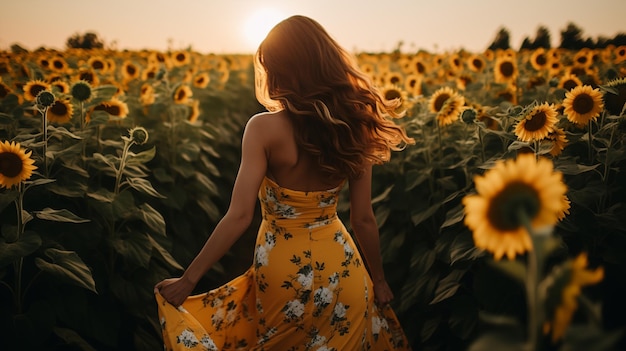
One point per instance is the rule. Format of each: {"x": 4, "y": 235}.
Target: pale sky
{"x": 223, "y": 26}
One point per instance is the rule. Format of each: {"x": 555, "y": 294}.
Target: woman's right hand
{"x": 175, "y": 290}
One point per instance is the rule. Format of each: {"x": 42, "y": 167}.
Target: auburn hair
{"x": 339, "y": 116}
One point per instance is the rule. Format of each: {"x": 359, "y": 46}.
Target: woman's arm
{"x": 365, "y": 230}
{"x": 236, "y": 220}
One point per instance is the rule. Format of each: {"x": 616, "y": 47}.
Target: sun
{"x": 258, "y": 24}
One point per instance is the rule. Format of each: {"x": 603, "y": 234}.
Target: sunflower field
{"x": 502, "y": 227}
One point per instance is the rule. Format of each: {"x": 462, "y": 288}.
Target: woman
{"x": 309, "y": 288}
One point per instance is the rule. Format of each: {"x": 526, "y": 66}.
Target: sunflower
{"x": 89, "y": 76}
{"x": 537, "y": 123}
{"x": 60, "y": 111}
{"x": 620, "y": 54}
{"x": 510, "y": 193}
{"x": 182, "y": 94}
{"x": 394, "y": 78}
{"x": 180, "y": 58}
{"x": 413, "y": 84}
{"x": 419, "y": 65}
{"x": 129, "y": 70}
{"x": 15, "y": 164}
{"x": 201, "y": 80}
{"x": 564, "y": 294}
{"x": 33, "y": 88}
{"x": 569, "y": 82}
{"x": 539, "y": 59}
{"x": 98, "y": 64}
{"x": 447, "y": 104}
{"x": 150, "y": 72}
{"x": 583, "y": 58}
{"x": 390, "y": 93}
{"x": 58, "y": 64}
{"x": 558, "y": 139}
{"x": 505, "y": 69}
{"x": 113, "y": 107}
{"x": 582, "y": 104}
{"x": 614, "y": 103}
{"x": 60, "y": 86}
{"x": 476, "y": 63}
{"x": 146, "y": 94}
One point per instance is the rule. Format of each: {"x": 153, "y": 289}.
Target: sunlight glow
{"x": 258, "y": 24}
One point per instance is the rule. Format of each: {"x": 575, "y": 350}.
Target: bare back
{"x": 287, "y": 164}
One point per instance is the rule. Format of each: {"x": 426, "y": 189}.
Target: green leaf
{"x": 144, "y": 186}
{"x": 71, "y": 337}
{"x": 102, "y": 195}
{"x": 207, "y": 183}
{"x": 418, "y": 217}
{"x": 383, "y": 195}
{"x": 415, "y": 177}
{"x": 448, "y": 286}
{"x": 63, "y": 131}
{"x": 574, "y": 168}
{"x": 7, "y": 198}
{"x": 109, "y": 160}
{"x": 68, "y": 267}
{"x": 27, "y": 243}
{"x": 62, "y": 215}
{"x": 135, "y": 248}
{"x": 453, "y": 216}
{"x": 165, "y": 255}
{"x": 142, "y": 157}
{"x": 152, "y": 218}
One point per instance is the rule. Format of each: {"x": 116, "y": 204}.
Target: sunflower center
{"x": 110, "y": 109}
{"x": 506, "y": 207}
{"x": 535, "y": 122}
{"x": 97, "y": 65}
{"x": 130, "y": 69}
{"x": 478, "y": 64}
{"x": 541, "y": 60}
{"x": 570, "y": 84}
{"x": 10, "y": 164}
{"x": 440, "y": 101}
{"x": 58, "y": 64}
{"x": 507, "y": 69}
{"x": 583, "y": 103}
{"x": 392, "y": 94}
{"x": 58, "y": 108}
{"x": 420, "y": 67}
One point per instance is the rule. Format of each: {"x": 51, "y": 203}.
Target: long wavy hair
{"x": 339, "y": 116}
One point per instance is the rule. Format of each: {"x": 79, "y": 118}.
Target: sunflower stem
{"x": 482, "y": 145}
{"x": 534, "y": 264}
{"x": 45, "y": 140}
{"x": 120, "y": 171}
{"x": 590, "y": 141}
{"x": 19, "y": 263}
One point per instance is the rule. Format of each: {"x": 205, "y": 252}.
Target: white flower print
{"x": 326, "y": 201}
{"x": 270, "y": 240}
{"x": 207, "y": 342}
{"x": 306, "y": 279}
{"x": 323, "y": 297}
{"x": 340, "y": 310}
{"x": 218, "y": 317}
{"x": 378, "y": 324}
{"x": 333, "y": 281}
{"x": 187, "y": 338}
{"x": 231, "y": 316}
{"x": 293, "y": 310}
{"x": 317, "y": 340}
{"x": 261, "y": 256}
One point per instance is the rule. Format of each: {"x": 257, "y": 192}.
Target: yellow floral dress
{"x": 307, "y": 289}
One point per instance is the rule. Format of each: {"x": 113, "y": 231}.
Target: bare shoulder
{"x": 268, "y": 122}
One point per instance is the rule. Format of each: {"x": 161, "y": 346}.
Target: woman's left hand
{"x": 175, "y": 290}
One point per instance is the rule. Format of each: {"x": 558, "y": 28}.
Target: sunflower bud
{"x": 139, "y": 135}
{"x": 81, "y": 91}
{"x": 469, "y": 115}
{"x": 160, "y": 74}
{"x": 45, "y": 98}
